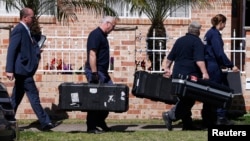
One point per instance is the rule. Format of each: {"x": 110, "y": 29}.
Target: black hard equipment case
{"x": 87, "y": 97}
{"x": 9, "y": 127}
{"x": 203, "y": 90}
{"x": 154, "y": 87}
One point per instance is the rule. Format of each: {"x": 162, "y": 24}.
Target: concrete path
{"x": 115, "y": 127}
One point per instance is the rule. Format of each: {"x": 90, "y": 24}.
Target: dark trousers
{"x": 208, "y": 114}
{"x": 27, "y": 84}
{"x": 182, "y": 110}
{"x": 97, "y": 118}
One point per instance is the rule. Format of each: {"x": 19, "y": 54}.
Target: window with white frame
{"x": 181, "y": 12}
{"x": 124, "y": 12}
{"x": 176, "y": 12}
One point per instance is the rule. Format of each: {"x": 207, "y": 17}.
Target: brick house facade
{"x": 124, "y": 43}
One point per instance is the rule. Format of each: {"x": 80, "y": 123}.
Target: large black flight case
{"x": 238, "y": 106}
{"x": 154, "y": 87}
{"x": 88, "y": 97}
{"x": 8, "y": 124}
{"x": 203, "y": 90}
{"x": 233, "y": 81}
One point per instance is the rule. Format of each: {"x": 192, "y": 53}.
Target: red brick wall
{"x": 247, "y": 65}
{"x": 124, "y": 44}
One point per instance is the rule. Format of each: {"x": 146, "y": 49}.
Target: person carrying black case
{"x": 96, "y": 69}
{"x": 216, "y": 59}
{"x": 188, "y": 57}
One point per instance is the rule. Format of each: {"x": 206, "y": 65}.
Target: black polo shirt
{"x": 97, "y": 40}
{"x": 185, "y": 52}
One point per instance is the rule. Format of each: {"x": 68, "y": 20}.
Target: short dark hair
{"x": 217, "y": 19}
{"x": 24, "y": 12}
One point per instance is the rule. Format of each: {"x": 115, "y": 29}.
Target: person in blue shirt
{"x": 96, "y": 69}
{"x": 216, "y": 58}
{"x": 188, "y": 57}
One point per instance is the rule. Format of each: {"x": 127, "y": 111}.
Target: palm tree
{"x": 158, "y": 11}
{"x": 66, "y": 9}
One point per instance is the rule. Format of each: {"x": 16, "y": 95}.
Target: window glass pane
{"x": 183, "y": 11}
{"x": 123, "y": 11}
{"x": 3, "y": 11}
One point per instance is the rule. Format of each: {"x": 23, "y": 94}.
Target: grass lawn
{"x": 145, "y": 135}
{"x": 116, "y": 136}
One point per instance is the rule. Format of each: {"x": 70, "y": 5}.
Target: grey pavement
{"x": 115, "y": 127}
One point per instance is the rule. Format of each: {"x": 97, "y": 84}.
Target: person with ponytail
{"x": 216, "y": 59}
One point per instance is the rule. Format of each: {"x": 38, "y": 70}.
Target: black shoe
{"x": 224, "y": 121}
{"x": 106, "y": 129}
{"x": 94, "y": 131}
{"x": 49, "y": 126}
{"x": 167, "y": 120}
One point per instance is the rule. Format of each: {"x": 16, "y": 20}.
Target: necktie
{"x": 30, "y": 36}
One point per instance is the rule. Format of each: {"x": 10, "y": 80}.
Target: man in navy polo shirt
{"x": 96, "y": 69}
{"x": 188, "y": 55}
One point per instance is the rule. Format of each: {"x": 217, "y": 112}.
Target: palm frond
{"x": 163, "y": 8}
{"x": 67, "y": 9}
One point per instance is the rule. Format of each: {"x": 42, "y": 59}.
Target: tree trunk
{"x": 155, "y": 45}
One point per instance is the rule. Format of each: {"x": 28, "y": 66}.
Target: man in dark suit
{"x": 22, "y": 62}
